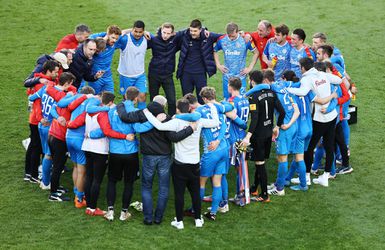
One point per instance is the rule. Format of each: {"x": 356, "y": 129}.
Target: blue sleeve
{"x": 228, "y": 107}
{"x": 64, "y": 102}
{"x": 332, "y": 105}
{"x": 37, "y": 95}
{"x": 93, "y": 106}
{"x": 142, "y": 127}
{"x": 218, "y": 46}
{"x": 249, "y": 46}
{"x": 215, "y": 36}
{"x": 190, "y": 117}
{"x": 122, "y": 42}
{"x": 96, "y": 35}
{"x": 240, "y": 123}
{"x": 311, "y": 95}
{"x": 54, "y": 112}
{"x": 257, "y": 88}
{"x": 313, "y": 55}
{"x": 96, "y": 134}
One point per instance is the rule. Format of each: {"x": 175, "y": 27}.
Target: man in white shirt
{"x": 186, "y": 167}
{"x": 323, "y": 123}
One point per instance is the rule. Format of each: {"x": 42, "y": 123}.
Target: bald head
{"x": 264, "y": 28}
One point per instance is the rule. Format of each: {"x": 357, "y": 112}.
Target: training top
{"x": 67, "y": 42}
{"x": 133, "y": 52}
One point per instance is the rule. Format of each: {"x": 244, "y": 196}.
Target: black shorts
{"x": 261, "y": 148}
{"x": 123, "y": 164}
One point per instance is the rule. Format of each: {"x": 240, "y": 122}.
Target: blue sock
{"x": 202, "y": 193}
{"x": 237, "y": 183}
{"x": 292, "y": 170}
{"x": 80, "y": 195}
{"x": 75, "y": 190}
{"x": 217, "y": 197}
{"x": 46, "y": 175}
{"x": 282, "y": 172}
{"x": 319, "y": 154}
{"x": 225, "y": 188}
{"x": 141, "y": 105}
{"x": 301, "y": 169}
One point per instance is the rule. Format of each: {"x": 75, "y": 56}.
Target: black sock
{"x": 256, "y": 177}
{"x": 263, "y": 179}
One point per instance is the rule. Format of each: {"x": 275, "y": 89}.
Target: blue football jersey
{"x": 241, "y": 105}
{"x": 235, "y": 53}
{"x": 212, "y": 134}
{"x": 296, "y": 55}
{"x": 282, "y": 52}
{"x": 103, "y": 60}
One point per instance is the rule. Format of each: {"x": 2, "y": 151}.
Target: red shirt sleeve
{"x": 73, "y": 105}
{"x": 55, "y": 94}
{"x": 105, "y": 125}
{"x": 345, "y": 95}
{"x": 78, "y": 122}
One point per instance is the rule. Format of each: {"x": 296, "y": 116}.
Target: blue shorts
{"x": 139, "y": 81}
{"x": 215, "y": 163}
{"x": 106, "y": 83}
{"x": 301, "y": 142}
{"x": 43, "y": 132}
{"x": 285, "y": 140}
{"x": 225, "y": 82}
{"x": 74, "y": 146}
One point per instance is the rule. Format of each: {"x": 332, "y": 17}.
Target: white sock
{"x": 307, "y": 176}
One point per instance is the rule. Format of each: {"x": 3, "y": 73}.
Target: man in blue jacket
{"x": 196, "y": 59}
{"x": 162, "y": 65}
{"x": 81, "y": 66}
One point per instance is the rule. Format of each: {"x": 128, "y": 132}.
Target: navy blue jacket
{"x": 163, "y": 54}
{"x": 81, "y": 67}
{"x": 31, "y": 81}
{"x": 207, "y": 51}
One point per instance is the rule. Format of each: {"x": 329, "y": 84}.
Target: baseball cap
{"x": 62, "y": 59}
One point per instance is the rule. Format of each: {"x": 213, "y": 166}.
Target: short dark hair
{"x": 326, "y": 48}
{"x": 306, "y": 63}
{"x": 320, "y": 66}
{"x": 131, "y": 93}
{"x": 283, "y": 29}
{"x": 191, "y": 98}
{"x": 256, "y": 76}
{"x": 107, "y": 97}
{"x": 87, "y": 90}
{"x": 269, "y": 75}
{"x": 183, "y": 105}
{"x": 82, "y": 28}
{"x": 289, "y": 75}
{"x": 300, "y": 33}
{"x": 235, "y": 83}
{"x": 208, "y": 93}
{"x": 329, "y": 65}
{"x": 196, "y": 24}
{"x": 139, "y": 24}
{"x": 49, "y": 65}
{"x": 89, "y": 40}
{"x": 231, "y": 28}
{"x": 66, "y": 77}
